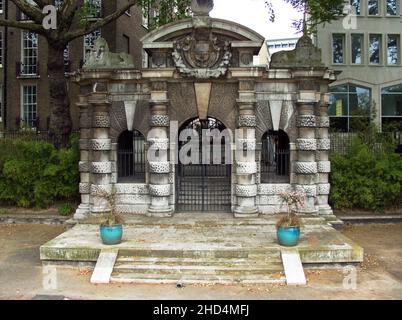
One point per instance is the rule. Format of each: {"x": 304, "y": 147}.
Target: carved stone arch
{"x": 119, "y": 120}
{"x": 264, "y": 119}
{"x": 288, "y": 120}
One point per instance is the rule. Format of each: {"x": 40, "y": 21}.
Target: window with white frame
{"x": 29, "y": 105}
{"x": 350, "y": 107}
{"x": 357, "y": 5}
{"x": 338, "y": 48}
{"x": 29, "y": 53}
{"x": 373, "y": 7}
{"x": 393, "y": 49}
{"x": 375, "y": 48}
{"x": 392, "y": 7}
{"x": 391, "y": 100}
{"x": 89, "y": 41}
{"x": 94, "y": 8}
{"x": 357, "y": 48}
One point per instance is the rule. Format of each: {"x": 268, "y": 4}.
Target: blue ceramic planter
{"x": 288, "y": 237}
{"x": 111, "y": 235}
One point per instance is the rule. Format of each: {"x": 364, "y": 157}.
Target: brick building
{"x": 24, "y": 87}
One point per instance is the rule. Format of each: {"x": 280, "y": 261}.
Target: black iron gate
{"x": 204, "y": 187}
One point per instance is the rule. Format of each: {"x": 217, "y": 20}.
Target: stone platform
{"x": 201, "y": 249}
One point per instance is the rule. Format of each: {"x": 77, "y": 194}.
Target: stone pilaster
{"x": 245, "y": 157}
{"x": 324, "y": 165}
{"x": 100, "y": 146}
{"x": 84, "y": 165}
{"x": 158, "y": 159}
{"x": 306, "y": 167}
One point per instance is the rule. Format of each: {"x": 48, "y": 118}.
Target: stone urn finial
{"x": 202, "y": 7}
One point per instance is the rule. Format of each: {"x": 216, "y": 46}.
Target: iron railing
{"x": 275, "y": 166}
{"x": 33, "y": 135}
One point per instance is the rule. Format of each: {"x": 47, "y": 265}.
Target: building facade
{"x": 285, "y": 44}
{"x": 365, "y": 47}
{"x": 23, "y": 79}
{"x": 268, "y": 125}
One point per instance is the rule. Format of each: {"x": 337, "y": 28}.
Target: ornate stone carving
{"x": 246, "y": 167}
{"x": 273, "y": 189}
{"x": 132, "y": 209}
{"x": 160, "y": 121}
{"x": 202, "y": 55}
{"x": 306, "y": 144}
{"x": 101, "y": 57}
{"x": 85, "y": 188}
{"x": 308, "y": 190}
{"x": 159, "y": 167}
{"x": 323, "y": 144}
{"x": 96, "y": 190}
{"x": 324, "y": 189}
{"x": 159, "y": 190}
{"x": 306, "y": 167}
{"x": 324, "y": 122}
{"x": 306, "y": 121}
{"x": 101, "y": 121}
{"x": 83, "y": 166}
{"x": 158, "y": 144}
{"x": 101, "y": 144}
{"x": 101, "y": 167}
{"x": 324, "y": 167}
{"x": 246, "y": 58}
{"x": 122, "y": 188}
{"x": 246, "y": 190}
{"x": 247, "y": 121}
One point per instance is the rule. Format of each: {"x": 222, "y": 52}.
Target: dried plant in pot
{"x": 288, "y": 226}
{"x": 111, "y": 223}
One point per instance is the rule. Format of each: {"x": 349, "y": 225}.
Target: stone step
{"x": 253, "y": 261}
{"x": 242, "y": 253}
{"x": 131, "y": 278}
{"x": 218, "y": 222}
{"x": 199, "y": 267}
{"x": 196, "y": 271}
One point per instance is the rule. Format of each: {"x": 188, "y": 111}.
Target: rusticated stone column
{"x": 84, "y": 165}
{"x": 323, "y": 149}
{"x": 158, "y": 159}
{"x": 100, "y": 147}
{"x": 245, "y": 158}
{"x": 306, "y": 167}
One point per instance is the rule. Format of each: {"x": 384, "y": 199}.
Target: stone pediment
{"x": 202, "y": 47}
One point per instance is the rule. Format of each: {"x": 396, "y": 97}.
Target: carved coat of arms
{"x": 202, "y": 57}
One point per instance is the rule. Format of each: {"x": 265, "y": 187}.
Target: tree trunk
{"x": 60, "y": 118}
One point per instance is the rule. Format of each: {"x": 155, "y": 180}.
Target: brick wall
{"x": 131, "y": 26}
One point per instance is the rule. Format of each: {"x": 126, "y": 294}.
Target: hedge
{"x": 363, "y": 179}
{"x": 36, "y": 174}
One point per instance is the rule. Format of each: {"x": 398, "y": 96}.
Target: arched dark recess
{"x": 275, "y": 157}
{"x": 131, "y": 157}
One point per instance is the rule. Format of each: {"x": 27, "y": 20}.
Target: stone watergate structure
{"x": 202, "y": 68}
